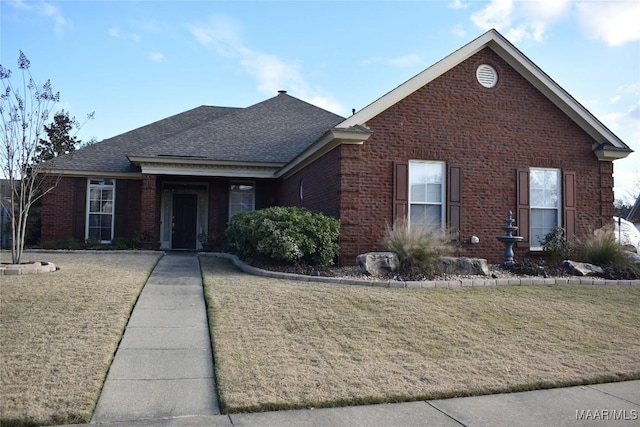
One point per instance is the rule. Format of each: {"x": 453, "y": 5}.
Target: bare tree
{"x": 24, "y": 108}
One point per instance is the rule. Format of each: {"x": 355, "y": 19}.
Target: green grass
{"x": 285, "y": 344}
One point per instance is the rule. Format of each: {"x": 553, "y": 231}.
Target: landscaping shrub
{"x": 65, "y": 243}
{"x": 601, "y": 248}
{"x": 555, "y": 245}
{"x": 285, "y": 234}
{"x": 418, "y": 247}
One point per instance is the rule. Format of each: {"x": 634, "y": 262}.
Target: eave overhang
{"x": 608, "y": 153}
{"x": 327, "y": 142}
{"x": 93, "y": 174}
{"x": 197, "y": 166}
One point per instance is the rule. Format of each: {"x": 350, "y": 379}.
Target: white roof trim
{"x": 495, "y": 41}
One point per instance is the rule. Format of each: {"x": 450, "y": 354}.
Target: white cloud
{"x": 497, "y": 14}
{"x": 272, "y": 73}
{"x": 459, "y": 31}
{"x": 48, "y": 10}
{"x": 614, "y": 22}
{"x": 457, "y": 4}
{"x": 114, "y": 32}
{"x": 405, "y": 61}
{"x": 157, "y": 56}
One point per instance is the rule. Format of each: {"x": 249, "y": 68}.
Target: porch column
{"x": 149, "y": 205}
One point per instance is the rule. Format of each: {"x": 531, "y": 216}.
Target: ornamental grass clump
{"x": 418, "y": 247}
{"x": 601, "y": 248}
{"x": 285, "y": 235}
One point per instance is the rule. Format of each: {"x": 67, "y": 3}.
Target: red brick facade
{"x": 489, "y": 133}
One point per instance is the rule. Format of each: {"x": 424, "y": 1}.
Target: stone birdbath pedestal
{"x": 509, "y": 239}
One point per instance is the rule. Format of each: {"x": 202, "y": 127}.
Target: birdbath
{"x": 509, "y": 239}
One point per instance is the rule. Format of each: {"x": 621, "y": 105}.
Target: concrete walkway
{"x": 163, "y": 367}
{"x": 162, "y": 375}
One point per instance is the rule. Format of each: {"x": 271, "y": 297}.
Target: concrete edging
{"x": 525, "y": 281}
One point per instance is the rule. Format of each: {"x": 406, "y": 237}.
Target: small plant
{"x": 120, "y": 243}
{"x": 92, "y": 243}
{"x": 418, "y": 247}
{"x": 285, "y": 234}
{"x": 555, "y": 245}
{"x": 144, "y": 239}
{"x": 70, "y": 243}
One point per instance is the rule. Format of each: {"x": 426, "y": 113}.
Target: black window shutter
{"x": 80, "y": 209}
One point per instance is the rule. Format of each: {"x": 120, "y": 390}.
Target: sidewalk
{"x": 163, "y": 367}
{"x": 162, "y": 375}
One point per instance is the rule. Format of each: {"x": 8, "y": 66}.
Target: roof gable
{"x": 605, "y": 139}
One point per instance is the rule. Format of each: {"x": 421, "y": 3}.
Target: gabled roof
{"x": 265, "y": 135}
{"x": 109, "y": 155}
{"x": 272, "y": 131}
{"x": 608, "y": 146}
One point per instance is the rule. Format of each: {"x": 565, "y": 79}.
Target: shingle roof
{"x": 275, "y": 130}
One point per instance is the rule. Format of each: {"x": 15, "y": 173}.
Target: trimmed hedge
{"x": 285, "y": 235}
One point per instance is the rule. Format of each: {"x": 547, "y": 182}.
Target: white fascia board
{"x": 516, "y": 59}
{"x": 219, "y": 171}
{"x": 93, "y": 174}
{"x": 200, "y": 161}
{"x": 326, "y": 143}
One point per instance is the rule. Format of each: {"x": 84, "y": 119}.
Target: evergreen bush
{"x": 285, "y": 235}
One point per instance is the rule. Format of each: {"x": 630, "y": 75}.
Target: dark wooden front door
{"x": 185, "y": 213}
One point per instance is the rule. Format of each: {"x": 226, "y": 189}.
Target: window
{"x": 544, "y": 187}
{"x": 426, "y": 193}
{"x": 100, "y": 205}
{"x": 241, "y": 197}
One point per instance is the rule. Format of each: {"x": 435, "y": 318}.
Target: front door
{"x": 185, "y": 215}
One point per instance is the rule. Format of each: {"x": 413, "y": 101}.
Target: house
{"x": 479, "y": 133}
{"x": 5, "y": 210}
{"x": 634, "y": 213}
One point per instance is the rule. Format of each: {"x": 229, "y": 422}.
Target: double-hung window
{"x": 426, "y": 194}
{"x": 545, "y": 203}
{"x": 100, "y": 209}
{"x": 241, "y": 197}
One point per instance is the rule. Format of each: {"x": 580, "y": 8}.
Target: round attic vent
{"x": 487, "y": 75}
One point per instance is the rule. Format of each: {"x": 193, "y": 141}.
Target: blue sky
{"x": 137, "y": 62}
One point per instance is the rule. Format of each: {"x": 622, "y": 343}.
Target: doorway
{"x": 185, "y": 219}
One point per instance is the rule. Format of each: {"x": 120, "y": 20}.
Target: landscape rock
{"x": 378, "y": 263}
{"x": 464, "y": 265}
{"x": 633, "y": 257}
{"x": 581, "y": 268}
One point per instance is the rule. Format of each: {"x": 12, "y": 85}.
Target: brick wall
{"x": 321, "y": 186}
{"x": 58, "y": 208}
{"x": 490, "y": 133}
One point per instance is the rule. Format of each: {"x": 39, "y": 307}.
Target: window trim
{"x": 443, "y": 190}
{"x": 253, "y": 195}
{"x": 559, "y": 204}
{"x": 111, "y": 186}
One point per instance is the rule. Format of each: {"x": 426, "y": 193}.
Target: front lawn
{"x": 285, "y": 344}
{"x": 59, "y": 332}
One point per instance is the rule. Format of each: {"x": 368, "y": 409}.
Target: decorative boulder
{"x": 464, "y": 266}
{"x": 581, "y": 268}
{"x": 633, "y": 257}
{"x": 378, "y": 263}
